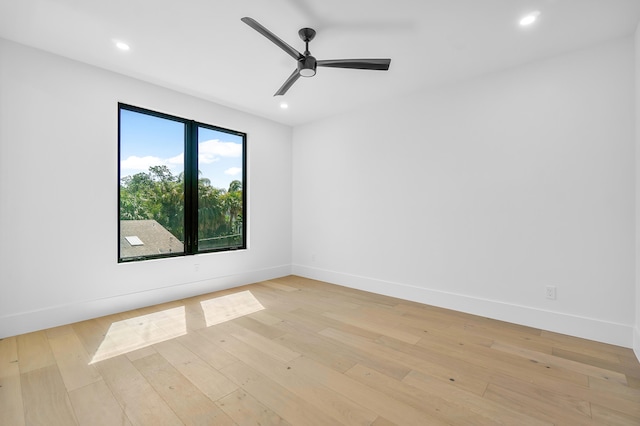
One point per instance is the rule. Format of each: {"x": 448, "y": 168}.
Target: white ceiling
{"x": 201, "y": 47}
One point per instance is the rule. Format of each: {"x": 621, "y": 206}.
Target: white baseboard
{"x": 586, "y": 328}
{"x": 53, "y": 316}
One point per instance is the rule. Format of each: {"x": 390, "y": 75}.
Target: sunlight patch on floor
{"x": 145, "y": 330}
{"x": 228, "y": 307}
{"x": 136, "y": 333}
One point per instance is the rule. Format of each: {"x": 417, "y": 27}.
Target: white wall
{"x": 58, "y": 196}
{"x": 477, "y": 196}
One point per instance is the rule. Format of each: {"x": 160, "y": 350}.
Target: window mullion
{"x": 191, "y": 188}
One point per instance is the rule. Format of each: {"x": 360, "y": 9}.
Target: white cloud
{"x": 211, "y": 150}
{"x": 134, "y": 164}
{"x": 208, "y": 152}
{"x": 177, "y": 160}
{"x": 233, "y": 171}
{"x": 140, "y": 163}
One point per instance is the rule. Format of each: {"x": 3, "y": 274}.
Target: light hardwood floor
{"x": 294, "y": 351}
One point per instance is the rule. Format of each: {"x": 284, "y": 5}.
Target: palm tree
{"x": 233, "y": 204}
{"x": 235, "y": 186}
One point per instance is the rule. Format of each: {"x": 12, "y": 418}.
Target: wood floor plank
{"x": 11, "y": 406}
{"x": 187, "y": 401}
{"x": 73, "y": 361}
{"x": 278, "y": 286}
{"x": 302, "y": 336}
{"x": 605, "y": 396}
{"x": 393, "y": 409}
{"x": 373, "y": 326}
{"x": 591, "y": 394}
{"x": 34, "y": 351}
{"x": 327, "y": 299}
{"x": 341, "y": 409}
{"x": 323, "y": 322}
{"x": 58, "y": 331}
{"x": 92, "y": 334}
{"x": 321, "y": 349}
{"x": 381, "y": 421}
{"x": 439, "y": 328}
{"x": 9, "y": 363}
{"x": 265, "y": 330}
{"x": 568, "y": 364}
{"x": 285, "y": 403}
{"x": 267, "y": 346}
{"x": 548, "y": 406}
{"x": 607, "y": 417}
{"x": 429, "y": 402}
{"x": 465, "y": 375}
{"x": 604, "y": 360}
{"x": 244, "y": 409}
{"x": 311, "y": 322}
{"x": 207, "y": 351}
{"x": 618, "y": 390}
{"x": 140, "y": 401}
{"x": 265, "y": 318}
{"x": 499, "y": 413}
{"x": 611, "y": 362}
{"x": 46, "y": 400}
{"x": 502, "y": 362}
{"x": 362, "y": 299}
{"x": 413, "y": 325}
{"x": 141, "y": 353}
{"x": 441, "y": 372}
{"x": 209, "y": 380}
{"x": 582, "y": 345}
{"x": 274, "y": 302}
{"x": 435, "y": 317}
{"x": 95, "y": 405}
{"x": 501, "y": 331}
{"x": 633, "y": 381}
{"x": 301, "y": 299}
{"x": 630, "y": 364}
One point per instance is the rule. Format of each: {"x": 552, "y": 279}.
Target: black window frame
{"x": 190, "y": 185}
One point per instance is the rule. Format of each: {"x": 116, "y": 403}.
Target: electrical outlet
{"x": 550, "y": 292}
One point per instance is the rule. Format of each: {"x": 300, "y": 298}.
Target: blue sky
{"x": 149, "y": 141}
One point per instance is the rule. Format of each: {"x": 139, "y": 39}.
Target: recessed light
{"x": 122, "y": 45}
{"x": 284, "y": 105}
{"x": 529, "y": 19}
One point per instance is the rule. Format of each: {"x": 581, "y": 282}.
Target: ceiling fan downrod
{"x": 307, "y": 65}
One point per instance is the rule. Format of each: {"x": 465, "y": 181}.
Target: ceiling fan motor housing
{"x": 307, "y": 66}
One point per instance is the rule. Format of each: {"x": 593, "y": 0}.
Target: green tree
{"x": 211, "y": 212}
{"x": 159, "y": 195}
{"x": 233, "y": 204}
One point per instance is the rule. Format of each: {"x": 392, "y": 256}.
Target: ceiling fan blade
{"x": 295, "y": 75}
{"x": 274, "y": 38}
{"x": 361, "y": 64}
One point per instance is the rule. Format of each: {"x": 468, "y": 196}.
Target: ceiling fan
{"x": 306, "y": 63}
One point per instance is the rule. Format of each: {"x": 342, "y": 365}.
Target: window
{"x": 182, "y": 186}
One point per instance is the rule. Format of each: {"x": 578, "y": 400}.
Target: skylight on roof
{"x": 134, "y": 240}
